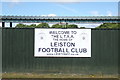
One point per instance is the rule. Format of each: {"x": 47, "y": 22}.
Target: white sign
{"x": 62, "y": 43}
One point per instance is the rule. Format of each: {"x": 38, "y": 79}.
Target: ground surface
{"x": 34, "y": 75}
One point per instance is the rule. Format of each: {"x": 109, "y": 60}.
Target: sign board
{"x": 62, "y": 43}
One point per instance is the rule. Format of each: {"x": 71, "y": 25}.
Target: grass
{"x": 35, "y": 75}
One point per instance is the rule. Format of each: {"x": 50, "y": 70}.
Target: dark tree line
{"x": 109, "y": 25}
{"x": 46, "y": 25}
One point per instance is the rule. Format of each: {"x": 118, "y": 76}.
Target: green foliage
{"x": 109, "y": 25}
{"x": 43, "y": 25}
{"x": 64, "y": 26}
{"x": 57, "y": 26}
{"x": 46, "y": 25}
{"x": 72, "y": 26}
{"x": 82, "y": 27}
{"x": 21, "y": 25}
{"x": 32, "y": 25}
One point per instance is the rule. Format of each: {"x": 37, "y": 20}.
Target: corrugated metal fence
{"x": 18, "y": 54}
{"x": 0, "y": 52}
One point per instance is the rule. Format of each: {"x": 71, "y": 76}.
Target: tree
{"x": 82, "y": 27}
{"x": 64, "y": 26}
{"x": 20, "y": 25}
{"x": 109, "y": 25}
{"x": 72, "y": 26}
{"x": 32, "y": 25}
{"x": 57, "y": 26}
{"x": 43, "y": 25}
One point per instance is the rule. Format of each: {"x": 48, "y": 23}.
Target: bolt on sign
{"x": 62, "y": 43}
